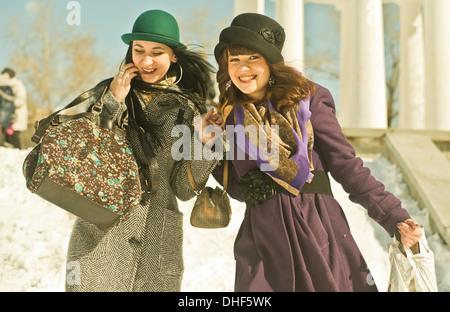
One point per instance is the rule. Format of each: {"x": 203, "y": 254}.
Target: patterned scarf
{"x": 291, "y": 164}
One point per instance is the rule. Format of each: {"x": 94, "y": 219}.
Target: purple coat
{"x": 304, "y": 243}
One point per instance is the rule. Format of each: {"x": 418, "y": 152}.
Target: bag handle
{"x": 192, "y": 182}
{"x": 225, "y": 174}
{"x": 41, "y": 126}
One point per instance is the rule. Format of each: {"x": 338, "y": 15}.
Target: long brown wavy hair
{"x": 289, "y": 89}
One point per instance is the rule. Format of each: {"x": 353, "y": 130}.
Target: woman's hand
{"x": 121, "y": 84}
{"x": 410, "y": 231}
{"x": 211, "y": 118}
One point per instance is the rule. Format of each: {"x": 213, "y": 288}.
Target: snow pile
{"x": 372, "y": 238}
{"x": 33, "y": 233}
{"x": 34, "y": 236}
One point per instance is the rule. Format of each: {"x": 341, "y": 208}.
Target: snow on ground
{"x": 34, "y": 235}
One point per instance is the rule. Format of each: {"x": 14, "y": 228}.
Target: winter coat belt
{"x": 259, "y": 187}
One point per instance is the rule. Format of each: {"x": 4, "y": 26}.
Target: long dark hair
{"x": 196, "y": 84}
{"x": 197, "y": 80}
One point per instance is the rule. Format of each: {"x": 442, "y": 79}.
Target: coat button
{"x": 344, "y": 236}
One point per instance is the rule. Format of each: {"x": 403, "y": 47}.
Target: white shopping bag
{"x": 411, "y": 273}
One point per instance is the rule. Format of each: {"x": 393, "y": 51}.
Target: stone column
{"x": 290, "y": 15}
{"x": 412, "y": 66}
{"x": 362, "y": 100}
{"x": 437, "y": 64}
{"x": 248, "y": 6}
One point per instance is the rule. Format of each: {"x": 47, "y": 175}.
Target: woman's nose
{"x": 148, "y": 60}
{"x": 244, "y": 66}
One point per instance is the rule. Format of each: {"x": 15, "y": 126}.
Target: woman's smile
{"x": 247, "y": 78}
{"x": 148, "y": 71}
{"x": 250, "y": 74}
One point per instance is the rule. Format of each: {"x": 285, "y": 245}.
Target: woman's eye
{"x": 138, "y": 51}
{"x": 254, "y": 57}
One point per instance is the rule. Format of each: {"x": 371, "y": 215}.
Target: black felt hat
{"x": 257, "y": 32}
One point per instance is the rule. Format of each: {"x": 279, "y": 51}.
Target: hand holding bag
{"x": 411, "y": 272}
{"x": 83, "y": 164}
{"x": 212, "y": 207}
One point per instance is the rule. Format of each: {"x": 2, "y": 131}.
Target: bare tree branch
{"x": 55, "y": 60}
{"x": 325, "y": 60}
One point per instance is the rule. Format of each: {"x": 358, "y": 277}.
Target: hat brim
{"x": 127, "y": 38}
{"x": 245, "y": 37}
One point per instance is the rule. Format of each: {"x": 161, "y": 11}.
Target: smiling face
{"x": 153, "y": 60}
{"x": 250, "y": 73}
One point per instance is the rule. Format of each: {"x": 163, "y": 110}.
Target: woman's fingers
{"x": 127, "y": 73}
{"x": 213, "y": 118}
{"x": 410, "y": 231}
{"x": 121, "y": 84}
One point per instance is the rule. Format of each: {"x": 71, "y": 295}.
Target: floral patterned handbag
{"x": 83, "y": 164}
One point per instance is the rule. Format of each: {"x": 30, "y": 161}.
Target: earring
{"x": 228, "y": 85}
{"x": 271, "y": 81}
{"x": 181, "y": 74}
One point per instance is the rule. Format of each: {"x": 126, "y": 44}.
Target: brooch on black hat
{"x": 275, "y": 37}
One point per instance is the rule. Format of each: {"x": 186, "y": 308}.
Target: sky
{"x": 108, "y": 20}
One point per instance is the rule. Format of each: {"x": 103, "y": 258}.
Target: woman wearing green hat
{"x": 161, "y": 85}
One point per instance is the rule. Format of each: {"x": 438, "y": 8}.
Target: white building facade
{"x": 424, "y": 86}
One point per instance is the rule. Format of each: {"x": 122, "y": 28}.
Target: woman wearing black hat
{"x": 161, "y": 85}
{"x": 294, "y": 236}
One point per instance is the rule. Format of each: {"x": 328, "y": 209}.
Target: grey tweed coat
{"x": 144, "y": 253}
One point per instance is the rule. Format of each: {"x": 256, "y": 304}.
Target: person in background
{"x": 19, "y": 122}
{"x": 294, "y": 236}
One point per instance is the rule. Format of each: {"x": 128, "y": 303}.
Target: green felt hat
{"x": 156, "y": 26}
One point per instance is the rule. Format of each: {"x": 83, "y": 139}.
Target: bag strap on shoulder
{"x": 149, "y": 174}
{"x": 42, "y": 125}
